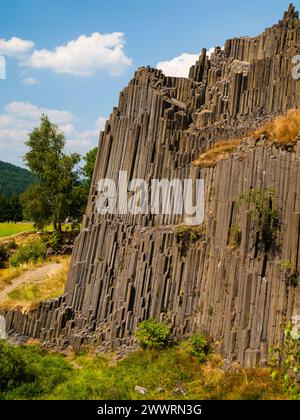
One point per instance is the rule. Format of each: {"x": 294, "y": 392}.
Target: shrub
{"x": 235, "y": 237}
{"x": 284, "y": 129}
{"x": 219, "y": 151}
{"x": 6, "y": 251}
{"x": 152, "y": 334}
{"x": 289, "y": 353}
{"x": 32, "y": 252}
{"x": 3, "y": 255}
{"x": 55, "y": 241}
{"x": 291, "y": 277}
{"x": 199, "y": 346}
{"x": 26, "y": 372}
{"x": 264, "y": 214}
{"x": 187, "y": 236}
{"x": 14, "y": 368}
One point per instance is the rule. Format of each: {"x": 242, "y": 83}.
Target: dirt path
{"x": 35, "y": 275}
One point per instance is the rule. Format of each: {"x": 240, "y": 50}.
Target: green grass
{"x": 30, "y": 373}
{"x": 10, "y": 229}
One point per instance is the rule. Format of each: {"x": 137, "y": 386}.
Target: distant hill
{"x": 14, "y": 180}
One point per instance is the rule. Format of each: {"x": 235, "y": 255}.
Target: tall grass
{"x": 283, "y": 129}
{"x": 219, "y": 151}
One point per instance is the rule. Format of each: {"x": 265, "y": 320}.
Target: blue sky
{"x": 56, "y": 65}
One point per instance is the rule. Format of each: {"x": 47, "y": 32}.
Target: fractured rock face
{"x": 128, "y": 268}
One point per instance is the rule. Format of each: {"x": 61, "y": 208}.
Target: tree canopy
{"x": 59, "y": 194}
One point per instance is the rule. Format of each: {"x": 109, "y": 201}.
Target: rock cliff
{"x": 125, "y": 269}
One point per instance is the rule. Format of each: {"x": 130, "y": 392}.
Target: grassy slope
{"x": 166, "y": 374}
{"x": 9, "y": 229}
{"x": 27, "y": 296}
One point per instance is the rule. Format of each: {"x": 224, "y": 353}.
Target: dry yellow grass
{"x": 27, "y": 296}
{"x": 220, "y": 151}
{"x": 283, "y": 129}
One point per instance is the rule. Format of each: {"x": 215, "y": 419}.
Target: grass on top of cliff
{"x": 284, "y": 129}
{"x": 219, "y": 151}
{"x": 169, "y": 374}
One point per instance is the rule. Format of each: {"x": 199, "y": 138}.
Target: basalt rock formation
{"x": 128, "y": 268}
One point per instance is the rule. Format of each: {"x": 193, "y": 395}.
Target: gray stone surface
{"x": 126, "y": 269}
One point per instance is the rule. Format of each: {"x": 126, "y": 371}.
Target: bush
{"x": 5, "y": 252}
{"x": 152, "y": 334}
{"x": 32, "y": 252}
{"x": 199, "y": 346}
{"x": 14, "y": 368}
{"x": 55, "y": 241}
{"x": 289, "y": 354}
{"x": 235, "y": 237}
{"x": 187, "y": 235}
{"x": 26, "y": 372}
{"x": 264, "y": 214}
{"x": 3, "y": 255}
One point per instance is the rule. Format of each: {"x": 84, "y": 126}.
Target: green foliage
{"x": 88, "y": 169}
{"x": 235, "y": 237}
{"x": 14, "y": 180}
{"x": 6, "y": 251}
{"x": 10, "y": 209}
{"x": 58, "y": 195}
{"x": 3, "y": 255}
{"x": 28, "y": 373}
{"x": 186, "y": 236}
{"x": 152, "y": 334}
{"x": 199, "y": 346}
{"x": 32, "y": 252}
{"x": 289, "y": 354}
{"x": 14, "y": 365}
{"x": 291, "y": 277}
{"x": 265, "y": 216}
{"x": 54, "y": 240}
{"x": 60, "y": 242}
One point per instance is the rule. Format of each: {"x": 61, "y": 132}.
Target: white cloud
{"x": 210, "y": 51}
{"x": 15, "y": 47}
{"x": 100, "y": 123}
{"x": 27, "y": 110}
{"x": 30, "y": 81}
{"x": 84, "y": 56}
{"x": 178, "y": 66}
{"x": 20, "y": 118}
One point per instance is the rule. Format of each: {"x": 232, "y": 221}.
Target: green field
{"x": 9, "y": 229}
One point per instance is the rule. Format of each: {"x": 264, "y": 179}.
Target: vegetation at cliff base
{"x": 152, "y": 334}
{"x": 28, "y": 372}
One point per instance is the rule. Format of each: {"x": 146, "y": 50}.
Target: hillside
{"x": 14, "y": 180}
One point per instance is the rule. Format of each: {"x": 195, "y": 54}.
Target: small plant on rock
{"x": 235, "y": 237}
{"x": 291, "y": 277}
{"x": 264, "y": 214}
{"x": 186, "y": 236}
